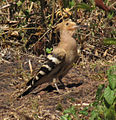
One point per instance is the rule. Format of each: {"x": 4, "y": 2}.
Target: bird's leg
{"x": 54, "y": 81}
{"x": 60, "y": 80}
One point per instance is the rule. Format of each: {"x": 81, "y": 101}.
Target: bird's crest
{"x": 66, "y": 25}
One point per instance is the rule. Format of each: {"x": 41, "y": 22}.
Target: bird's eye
{"x": 67, "y": 23}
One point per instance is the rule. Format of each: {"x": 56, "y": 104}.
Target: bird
{"x": 60, "y": 61}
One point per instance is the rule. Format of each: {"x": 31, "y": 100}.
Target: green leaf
{"x": 65, "y": 117}
{"x": 114, "y": 90}
{"x": 109, "y": 95}
{"x": 110, "y": 41}
{"x": 112, "y": 70}
{"x": 101, "y": 109}
{"x": 112, "y": 77}
{"x": 19, "y": 3}
{"x": 83, "y": 112}
{"x": 99, "y": 92}
{"x": 111, "y": 113}
{"x": 92, "y": 2}
{"x": 94, "y": 115}
{"x": 110, "y": 15}
{"x": 71, "y": 3}
{"x": 85, "y": 6}
{"x": 49, "y": 50}
{"x": 70, "y": 110}
{"x": 112, "y": 81}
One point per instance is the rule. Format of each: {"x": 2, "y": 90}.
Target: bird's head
{"x": 67, "y": 26}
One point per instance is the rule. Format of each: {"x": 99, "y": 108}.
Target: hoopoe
{"x": 60, "y": 61}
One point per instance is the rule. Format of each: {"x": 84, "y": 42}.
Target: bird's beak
{"x": 75, "y": 27}
{"x": 80, "y": 27}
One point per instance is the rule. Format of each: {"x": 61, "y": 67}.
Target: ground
{"x": 45, "y": 103}
{"x": 27, "y": 32}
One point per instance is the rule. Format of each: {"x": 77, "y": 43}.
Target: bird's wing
{"x": 54, "y": 62}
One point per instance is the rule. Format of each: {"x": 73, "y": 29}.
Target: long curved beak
{"x": 80, "y": 26}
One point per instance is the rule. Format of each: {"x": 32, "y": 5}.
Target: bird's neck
{"x": 67, "y": 41}
{"x": 66, "y": 36}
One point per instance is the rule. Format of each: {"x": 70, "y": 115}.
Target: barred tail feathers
{"x": 29, "y": 89}
{"x": 51, "y": 63}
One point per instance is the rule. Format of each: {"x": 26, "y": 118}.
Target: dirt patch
{"x": 81, "y": 84}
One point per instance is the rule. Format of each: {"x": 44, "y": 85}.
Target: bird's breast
{"x": 71, "y": 56}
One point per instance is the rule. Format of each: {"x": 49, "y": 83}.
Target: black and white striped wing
{"x": 46, "y": 73}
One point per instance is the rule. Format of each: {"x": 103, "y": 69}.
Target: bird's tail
{"x": 52, "y": 61}
{"x": 27, "y": 91}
